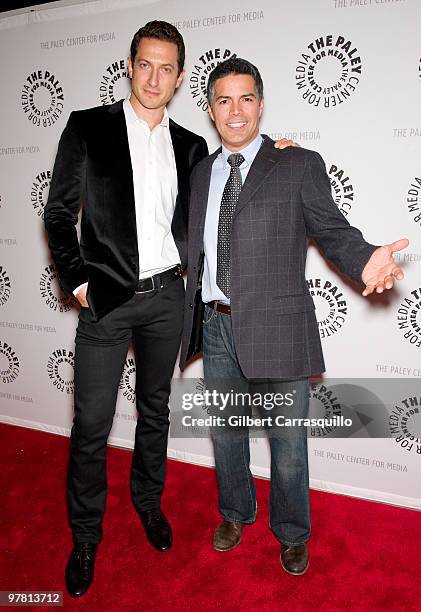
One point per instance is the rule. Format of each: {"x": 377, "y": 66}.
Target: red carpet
{"x": 364, "y": 556}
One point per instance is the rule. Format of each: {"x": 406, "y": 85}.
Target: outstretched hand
{"x": 381, "y": 271}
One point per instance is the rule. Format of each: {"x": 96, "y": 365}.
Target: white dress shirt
{"x": 155, "y": 191}
{"x": 220, "y": 173}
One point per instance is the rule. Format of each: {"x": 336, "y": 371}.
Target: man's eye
{"x": 143, "y": 65}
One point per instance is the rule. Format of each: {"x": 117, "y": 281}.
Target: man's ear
{"x": 180, "y": 79}
{"x": 210, "y": 113}
{"x": 261, "y": 106}
{"x": 130, "y": 67}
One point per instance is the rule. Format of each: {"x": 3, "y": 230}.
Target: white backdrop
{"x": 342, "y": 77}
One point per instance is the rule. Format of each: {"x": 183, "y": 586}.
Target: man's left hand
{"x": 381, "y": 271}
{"x": 284, "y": 143}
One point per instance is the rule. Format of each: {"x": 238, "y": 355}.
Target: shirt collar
{"x": 132, "y": 118}
{"x": 249, "y": 152}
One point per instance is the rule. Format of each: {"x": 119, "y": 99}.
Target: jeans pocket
{"x": 208, "y": 315}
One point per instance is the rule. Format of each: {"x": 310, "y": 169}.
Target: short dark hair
{"x": 234, "y": 65}
{"x": 162, "y": 30}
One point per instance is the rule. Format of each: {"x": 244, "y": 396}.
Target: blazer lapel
{"x": 120, "y": 169}
{"x": 180, "y": 154}
{"x": 263, "y": 164}
{"x": 118, "y": 132}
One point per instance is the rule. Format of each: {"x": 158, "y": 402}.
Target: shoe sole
{"x": 295, "y": 573}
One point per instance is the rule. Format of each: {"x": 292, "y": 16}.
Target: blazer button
{"x": 190, "y": 305}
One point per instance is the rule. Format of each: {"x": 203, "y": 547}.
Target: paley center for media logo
{"x": 323, "y": 404}
{"x": 331, "y": 306}
{"x": 405, "y": 424}
{"x": 5, "y": 286}
{"x": 198, "y": 80}
{"x": 328, "y": 71}
{"x": 115, "y": 83}
{"x": 50, "y": 291}
{"x": 42, "y": 98}
{"x": 409, "y": 318}
{"x": 39, "y": 192}
{"x": 128, "y": 380}
{"x": 413, "y": 200}
{"x": 60, "y": 368}
{"x": 9, "y": 363}
{"x": 342, "y": 189}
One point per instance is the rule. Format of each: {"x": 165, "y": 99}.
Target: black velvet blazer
{"x": 93, "y": 171}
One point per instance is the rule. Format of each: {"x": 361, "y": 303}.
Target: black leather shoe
{"x": 80, "y": 568}
{"x": 157, "y": 528}
{"x": 294, "y": 559}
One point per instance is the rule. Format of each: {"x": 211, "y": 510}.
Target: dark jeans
{"x": 289, "y": 492}
{"x": 153, "y": 322}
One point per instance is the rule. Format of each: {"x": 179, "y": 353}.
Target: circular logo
{"x": 5, "y": 287}
{"x": 114, "y": 83}
{"x": 342, "y": 189}
{"x": 405, "y": 424}
{"x": 413, "y": 200}
{"x": 409, "y": 318}
{"x": 328, "y": 72}
{"x": 323, "y": 405}
{"x": 331, "y": 306}
{"x": 42, "y": 98}
{"x": 199, "y": 75}
{"x": 128, "y": 380}
{"x": 39, "y": 192}
{"x": 52, "y": 294}
{"x": 9, "y": 363}
{"x": 60, "y": 368}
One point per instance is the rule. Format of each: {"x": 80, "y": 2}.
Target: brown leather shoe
{"x": 227, "y": 536}
{"x": 294, "y": 559}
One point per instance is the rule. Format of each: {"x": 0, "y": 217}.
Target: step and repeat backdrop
{"x": 342, "y": 77}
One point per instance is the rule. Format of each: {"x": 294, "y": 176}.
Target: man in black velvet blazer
{"x": 128, "y": 166}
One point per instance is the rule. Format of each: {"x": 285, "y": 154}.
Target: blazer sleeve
{"x": 339, "y": 241}
{"x": 61, "y": 210}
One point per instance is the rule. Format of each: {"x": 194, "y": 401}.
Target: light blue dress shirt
{"x": 220, "y": 173}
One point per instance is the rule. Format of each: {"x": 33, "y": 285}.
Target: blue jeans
{"x": 289, "y": 492}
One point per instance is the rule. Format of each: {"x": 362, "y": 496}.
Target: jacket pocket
{"x": 289, "y": 304}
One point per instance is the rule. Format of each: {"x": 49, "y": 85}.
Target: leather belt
{"x": 159, "y": 281}
{"x": 224, "y": 308}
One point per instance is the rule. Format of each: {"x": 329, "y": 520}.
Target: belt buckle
{"x": 148, "y": 290}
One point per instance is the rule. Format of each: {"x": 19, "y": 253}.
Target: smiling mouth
{"x": 237, "y": 125}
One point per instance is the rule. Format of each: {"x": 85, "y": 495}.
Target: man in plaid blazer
{"x": 252, "y": 210}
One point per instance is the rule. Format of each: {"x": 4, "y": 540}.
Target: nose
{"x": 235, "y": 107}
{"x": 154, "y": 77}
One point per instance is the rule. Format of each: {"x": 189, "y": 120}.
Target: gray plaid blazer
{"x": 286, "y": 200}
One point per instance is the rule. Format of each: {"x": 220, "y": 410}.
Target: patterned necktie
{"x": 229, "y": 201}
